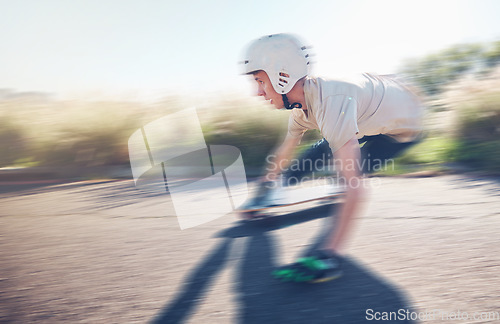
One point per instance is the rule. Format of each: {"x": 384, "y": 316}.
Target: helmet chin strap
{"x": 287, "y": 105}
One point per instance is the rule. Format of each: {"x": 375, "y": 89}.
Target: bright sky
{"x": 152, "y": 47}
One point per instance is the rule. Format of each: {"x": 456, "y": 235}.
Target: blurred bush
{"x": 477, "y": 121}
{"x": 433, "y": 72}
{"x": 83, "y": 134}
{"x": 433, "y": 150}
{"x": 461, "y": 81}
{"x": 13, "y": 141}
{"x": 469, "y": 130}
{"x": 462, "y": 88}
{"x": 255, "y": 128}
{"x": 70, "y": 133}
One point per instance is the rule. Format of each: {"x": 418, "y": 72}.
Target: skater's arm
{"x": 280, "y": 159}
{"x": 347, "y": 159}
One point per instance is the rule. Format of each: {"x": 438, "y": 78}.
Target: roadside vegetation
{"x": 461, "y": 87}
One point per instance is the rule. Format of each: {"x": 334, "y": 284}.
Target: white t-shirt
{"x": 366, "y": 105}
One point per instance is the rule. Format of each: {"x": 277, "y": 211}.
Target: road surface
{"x": 105, "y": 252}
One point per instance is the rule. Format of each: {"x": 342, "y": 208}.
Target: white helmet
{"x": 282, "y": 57}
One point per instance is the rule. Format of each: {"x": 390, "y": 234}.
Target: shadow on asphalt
{"x": 262, "y": 299}
{"x": 100, "y": 194}
{"x": 472, "y": 182}
{"x": 32, "y": 188}
{"x": 26, "y": 188}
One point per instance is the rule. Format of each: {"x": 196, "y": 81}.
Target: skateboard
{"x": 287, "y": 196}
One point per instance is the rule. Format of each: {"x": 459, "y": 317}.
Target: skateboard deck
{"x": 289, "y": 196}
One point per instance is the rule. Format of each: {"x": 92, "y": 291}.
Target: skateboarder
{"x": 378, "y": 112}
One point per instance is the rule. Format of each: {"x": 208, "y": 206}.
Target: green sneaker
{"x": 319, "y": 267}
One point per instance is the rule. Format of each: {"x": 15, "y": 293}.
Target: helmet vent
{"x": 282, "y": 81}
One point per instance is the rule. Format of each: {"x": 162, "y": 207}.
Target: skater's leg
{"x": 378, "y": 152}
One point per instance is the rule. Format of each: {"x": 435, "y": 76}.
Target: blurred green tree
{"x": 434, "y": 71}
{"x": 491, "y": 56}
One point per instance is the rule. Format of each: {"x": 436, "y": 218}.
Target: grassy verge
{"x": 90, "y": 134}
{"x": 431, "y": 155}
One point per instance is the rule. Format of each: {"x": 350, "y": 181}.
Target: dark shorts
{"x": 377, "y": 153}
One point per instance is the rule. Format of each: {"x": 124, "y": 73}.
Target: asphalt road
{"x": 105, "y": 252}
